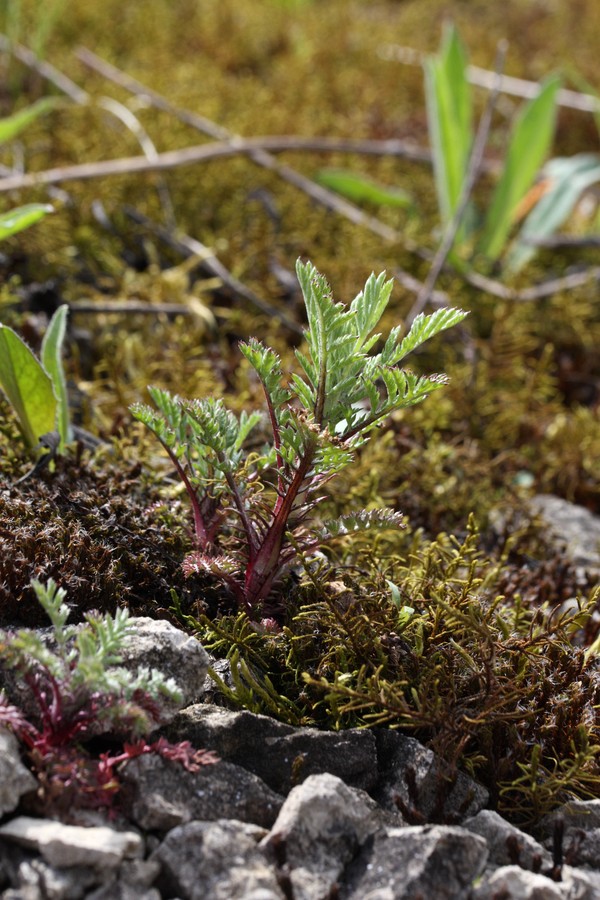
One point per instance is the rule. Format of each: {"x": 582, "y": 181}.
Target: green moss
{"x": 460, "y": 647}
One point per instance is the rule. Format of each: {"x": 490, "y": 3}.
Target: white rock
{"x": 71, "y": 845}
{"x": 15, "y": 779}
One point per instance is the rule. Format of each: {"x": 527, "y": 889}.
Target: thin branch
{"x": 517, "y": 87}
{"x": 45, "y": 70}
{"x": 189, "y": 246}
{"x": 129, "y": 307}
{"x": 538, "y": 291}
{"x": 564, "y": 240}
{"x": 202, "y": 153}
{"x": 471, "y": 176}
{"x": 258, "y": 154}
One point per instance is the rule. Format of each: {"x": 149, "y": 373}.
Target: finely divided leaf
{"x": 27, "y": 386}
{"x": 363, "y": 521}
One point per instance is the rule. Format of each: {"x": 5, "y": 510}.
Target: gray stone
{"x": 507, "y": 844}
{"x": 160, "y": 794}
{"x": 436, "y": 862}
{"x": 517, "y": 884}
{"x": 120, "y": 890}
{"x": 71, "y": 845}
{"x": 583, "y": 814}
{"x": 54, "y": 883}
{"x": 215, "y": 861}
{"x": 573, "y": 527}
{"x": 419, "y": 784}
{"x": 320, "y": 828}
{"x": 281, "y": 755}
{"x": 15, "y": 779}
{"x": 582, "y": 848}
{"x": 157, "y": 644}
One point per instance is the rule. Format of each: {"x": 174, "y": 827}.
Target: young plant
{"x": 37, "y": 389}
{"x": 451, "y": 134}
{"x": 450, "y": 117}
{"x": 79, "y": 691}
{"x": 317, "y": 419}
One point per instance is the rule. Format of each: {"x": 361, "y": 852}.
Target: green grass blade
{"x": 450, "y": 120}
{"x": 569, "y": 177}
{"x": 361, "y": 189}
{"x": 51, "y": 357}
{"x": 22, "y": 217}
{"x": 27, "y": 386}
{"x": 530, "y": 142}
{"x": 12, "y": 126}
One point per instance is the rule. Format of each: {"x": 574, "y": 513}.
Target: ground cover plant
{"x": 479, "y": 640}
{"x": 78, "y": 692}
{"x": 318, "y": 420}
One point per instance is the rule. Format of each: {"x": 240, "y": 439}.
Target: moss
{"x": 483, "y": 669}
{"x": 99, "y": 529}
{"x": 466, "y": 649}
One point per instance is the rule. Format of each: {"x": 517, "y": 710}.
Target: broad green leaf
{"x": 51, "y": 358}
{"x": 361, "y": 189}
{"x": 569, "y": 177}
{"x": 12, "y": 126}
{"x": 450, "y": 120}
{"x": 22, "y": 217}
{"x": 529, "y": 144}
{"x": 27, "y": 386}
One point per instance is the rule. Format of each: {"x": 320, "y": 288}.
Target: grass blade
{"x": 529, "y": 144}
{"x": 449, "y": 116}
{"x": 361, "y": 189}
{"x": 22, "y": 217}
{"x": 51, "y": 358}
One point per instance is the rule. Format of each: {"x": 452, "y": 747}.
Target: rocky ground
{"x": 293, "y": 813}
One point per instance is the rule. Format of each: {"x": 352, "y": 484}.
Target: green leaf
{"x": 22, "y": 217}
{"x": 51, "y": 358}
{"x": 12, "y": 126}
{"x": 27, "y": 386}
{"x": 450, "y": 120}
{"x": 361, "y": 189}
{"x": 569, "y": 177}
{"x": 530, "y": 142}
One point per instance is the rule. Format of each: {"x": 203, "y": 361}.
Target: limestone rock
{"x": 71, "y": 845}
{"x": 281, "y": 755}
{"x": 320, "y": 828}
{"x": 432, "y": 861}
{"x": 215, "y": 861}
{"x": 571, "y": 526}
{"x": 160, "y": 794}
{"x": 15, "y": 779}
{"x": 417, "y": 782}
{"x": 157, "y": 644}
{"x": 508, "y": 845}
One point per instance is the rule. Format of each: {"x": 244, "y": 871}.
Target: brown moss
{"x": 99, "y": 531}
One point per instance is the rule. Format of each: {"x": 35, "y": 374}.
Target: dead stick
{"x": 190, "y": 246}
{"x": 45, "y": 69}
{"x": 537, "y": 291}
{"x": 194, "y": 154}
{"x": 517, "y": 87}
{"x": 259, "y": 155}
